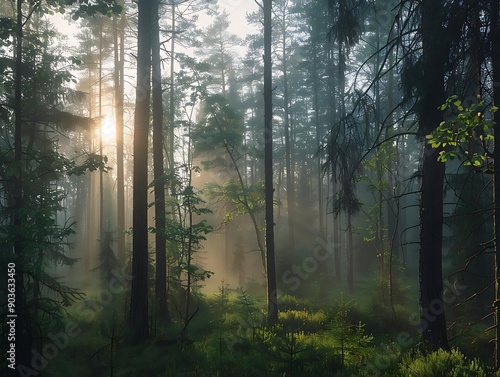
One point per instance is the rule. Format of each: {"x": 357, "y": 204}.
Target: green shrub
{"x": 442, "y": 364}
{"x": 381, "y": 318}
{"x": 302, "y": 320}
{"x": 289, "y": 302}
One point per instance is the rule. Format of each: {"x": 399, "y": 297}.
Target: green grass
{"x": 339, "y": 335}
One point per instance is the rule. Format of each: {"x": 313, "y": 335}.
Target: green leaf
{"x": 443, "y": 157}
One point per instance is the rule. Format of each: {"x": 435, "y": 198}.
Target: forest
{"x": 249, "y": 188}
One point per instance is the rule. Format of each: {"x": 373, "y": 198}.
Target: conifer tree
{"x": 139, "y": 293}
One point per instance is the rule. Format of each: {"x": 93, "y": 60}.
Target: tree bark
{"x": 350, "y": 254}
{"x": 139, "y": 292}
{"x": 336, "y": 217}
{"x": 290, "y": 186}
{"x": 431, "y": 201}
{"x": 495, "y": 60}
{"x": 90, "y": 216}
{"x": 24, "y": 334}
{"x": 171, "y": 118}
{"x": 317, "y": 126}
{"x": 119, "y": 45}
{"x": 272, "y": 299}
{"x": 159, "y": 186}
{"x": 101, "y": 173}
{"x": 430, "y": 265}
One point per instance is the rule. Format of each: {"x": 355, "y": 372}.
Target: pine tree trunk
{"x": 431, "y": 201}
{"x": 393, "y": 207}
{"x": 350, "y": 255}
{"x": 337, "y": 244}
{"x": 342, "y": 114}
{"x": 139, "y": 292}
{"x": 272, "y": 303}
{"x": 290, "y": 186}
{"x": 159, "y": 186}
{"x": 24, "y": 334}
{"x": 430, "y": 265}
{"x": 171, "y": 117}
{"x": 90, "y": 219}
{"x": 322, "y": 232}
{"x": 336, "y": 217}
{"x": 119, "y": 45}
{"x": 495, "y": 60}
{"x": 101, "y": 173}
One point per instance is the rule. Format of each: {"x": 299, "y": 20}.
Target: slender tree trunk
{"x": 321, "y": 210}
{"x": 379, "y": 166}
{"x": 350, "y": 254}
{"x": 432, "y": 176}
{"x": 119, "y": 36}
{"x": 139, "y": 292}
{"x": 337, "y": 244}
{"x": 171, "y": 134}
{"x": 101, "y": 177}
{"x": 272, "y": 294}
{"x": 495, "y": 60}
{"x": 159, "y": 186}
{"x": 189, "y": 246}
{"x": 18, "y": 131}
{"x": 171, "y": 114}
{"x": 189, "y": 258}
{"x": 393, "y": 207}
{"x": 341, "y": 79}
{"x": 90, "y": 226}
{"x": 380, "y": 220}
{"x": 24, "y": 334}
{"x": 430, "y": 265}
{"x": 229, "y": 226}
{"x": 250, "y": 211}
{"x": 336, "y": 217}
{"x": 341, "y": 132}
{"x": 290, "y": 194}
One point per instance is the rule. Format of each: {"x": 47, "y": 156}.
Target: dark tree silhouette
{"x": 139, "y": 293}
{"x": 119, "y": 81}
{"x": 24, "y": 330}
{"x": 495, "y": 60}
{"x": 272, "y": 294}
{"x": 431, "y": 206}
{"x": 159, "y": 173}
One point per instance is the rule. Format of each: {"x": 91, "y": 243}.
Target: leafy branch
{"x": 467, "y": 133}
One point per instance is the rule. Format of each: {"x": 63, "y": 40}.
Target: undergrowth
{"x": 228, "y": 337}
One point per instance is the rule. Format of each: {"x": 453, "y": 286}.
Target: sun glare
{"x": 107, "y": 130}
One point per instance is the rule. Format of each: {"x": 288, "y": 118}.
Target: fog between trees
{"x": 304, "y": 196}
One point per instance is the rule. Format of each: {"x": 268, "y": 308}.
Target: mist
{"x": 236, "y": 188}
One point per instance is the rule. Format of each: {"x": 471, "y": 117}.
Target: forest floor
{"x": 322, "y": 332}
